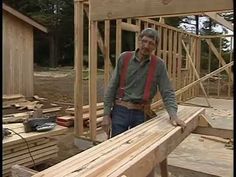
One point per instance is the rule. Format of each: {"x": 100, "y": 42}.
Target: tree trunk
{"x": 54, "y": 52}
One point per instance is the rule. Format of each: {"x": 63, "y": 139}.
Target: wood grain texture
{"x": 17, "y": 56}
{"x": 132, "y": 153}
{"x": 113, "y": 9}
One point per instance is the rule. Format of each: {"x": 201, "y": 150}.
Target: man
{"x": 132, "y": 87}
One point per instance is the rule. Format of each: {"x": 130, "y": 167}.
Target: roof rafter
{"x": 214, "y": 16}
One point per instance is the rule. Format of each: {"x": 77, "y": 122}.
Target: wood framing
{"x": 214, "y": 16}
{"x": 78, "y": 87}
{"x": 183, "y": 64}
{"x": 113, "y": 9}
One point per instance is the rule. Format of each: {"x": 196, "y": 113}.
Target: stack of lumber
{"x": 20, "y": 117}
{"x": 133, "y": 153}
{"x": 42, "y": 146}
{"x": 66, "y": 121}
{"x": 100, "y": 113}
{"x": 9, "y": 100}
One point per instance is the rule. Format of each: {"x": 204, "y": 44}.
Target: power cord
{"x": 26, "y": 145}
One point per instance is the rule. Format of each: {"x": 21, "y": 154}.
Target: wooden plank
{"x": 97, "y": 151}
{"x": 174, "y": 64}
{"x": 179, "y": 61}
{"x": 9, "y": 161}
{"x": 164, "y": 45}
{"x": 25, "y": 115}
{"x": 159, "y": 46}
{"x": 118, "y": 38}
{"x": 85, "y": 108}
{"x": 214, "y": 16}
{"x": 100, "y": 149}
{"x": 196, "y": 73}
{"x": 30, "y": 164}
{"x": 24, "y": 18}
{"x": 21, "y": 171}
{"x": 170, "y": 57}
{"x": 21, "y": 146}
{"x": 92, "y": 78}
{"x": 15, "y": 139}
{"x": 107, "y": 61}
{"x": 78, "y": 87}
{"x": 138, "y": 23}
{"x": 223, "y": 133}
{"x": 129, "y": 27}
{"x": 113, "y": 9}
{"x": 120, "y": 149}
{"x": 31, "y": 149}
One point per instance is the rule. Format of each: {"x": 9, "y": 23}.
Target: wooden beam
{"x": 21, "y": 171}
{"x": 99, "y": 36}
{"x": 219, "y": 57}
{"x": 184, "y": 89}
{"x": 195, "y": 71}
{"x": 78, "y": 87}
{"x": 223, "y": 133}
{"x": 24, "y": 18}
{"x": 118, "y": 38}
{"x": 133, "y": 153}
{"x": 114, "y": 9}
{"x": 107, "y": 61}
{"x": 129, "y": 27}
{"x": 93, "y": 78}
{"x": 167, "y": 26}
{"x": 217, "y": 18}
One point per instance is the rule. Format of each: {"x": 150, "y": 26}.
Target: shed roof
{"x": 24, "y": 17}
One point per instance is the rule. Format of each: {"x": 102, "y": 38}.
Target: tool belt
{"x": 146, "y": 108}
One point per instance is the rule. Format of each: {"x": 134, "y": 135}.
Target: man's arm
{"x": 110, "y": 93}
{"x": 109, "y": 98}
{"x": 168, "y": 95}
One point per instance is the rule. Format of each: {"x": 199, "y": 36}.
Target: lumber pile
{"x": 20, "y": 117}
{"x": 133, "y": 153}
{"x": 42, "y": 146}
{"x": 69, "y": 120}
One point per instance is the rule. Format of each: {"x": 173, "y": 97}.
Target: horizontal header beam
{"x": 115, "y": 9}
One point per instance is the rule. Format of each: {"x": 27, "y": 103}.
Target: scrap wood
{"x": 20, "y": 117}
{"x": 21, "y": 171}
{"x": 217, "y": 139}
{"x": 38, "y": 98}
{"x": 12, "y": 97}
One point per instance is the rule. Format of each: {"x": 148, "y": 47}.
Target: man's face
{"x": 146, "y": 46}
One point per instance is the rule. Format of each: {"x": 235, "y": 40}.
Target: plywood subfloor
{"x": 221, "y": 113}
{"x": 202, "y": 155}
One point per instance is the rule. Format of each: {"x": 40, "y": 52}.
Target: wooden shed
{"x": 18, "y": 51}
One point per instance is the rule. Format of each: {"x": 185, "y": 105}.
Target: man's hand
{"x": 106, "y": 124}
{"x": 176, "y": 121}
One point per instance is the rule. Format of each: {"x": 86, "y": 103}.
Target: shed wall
{"x": 17, "y": 56}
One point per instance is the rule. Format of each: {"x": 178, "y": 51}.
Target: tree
{"x": 58, "y": 17}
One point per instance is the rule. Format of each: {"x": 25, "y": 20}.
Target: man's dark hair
{"x": 151, "y": 33}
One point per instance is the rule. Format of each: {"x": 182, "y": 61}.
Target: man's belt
{"x": 130, "y": 105}
{"x": 148, "y": 112}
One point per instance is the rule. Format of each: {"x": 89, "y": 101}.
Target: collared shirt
{"x": 135, "y": 84}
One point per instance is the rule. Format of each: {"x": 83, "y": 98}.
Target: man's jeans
{"x": 123, "y": 119}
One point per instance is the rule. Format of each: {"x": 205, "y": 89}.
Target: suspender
{"x": 127, "y": 58}
{"x": 150, "y": 76}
